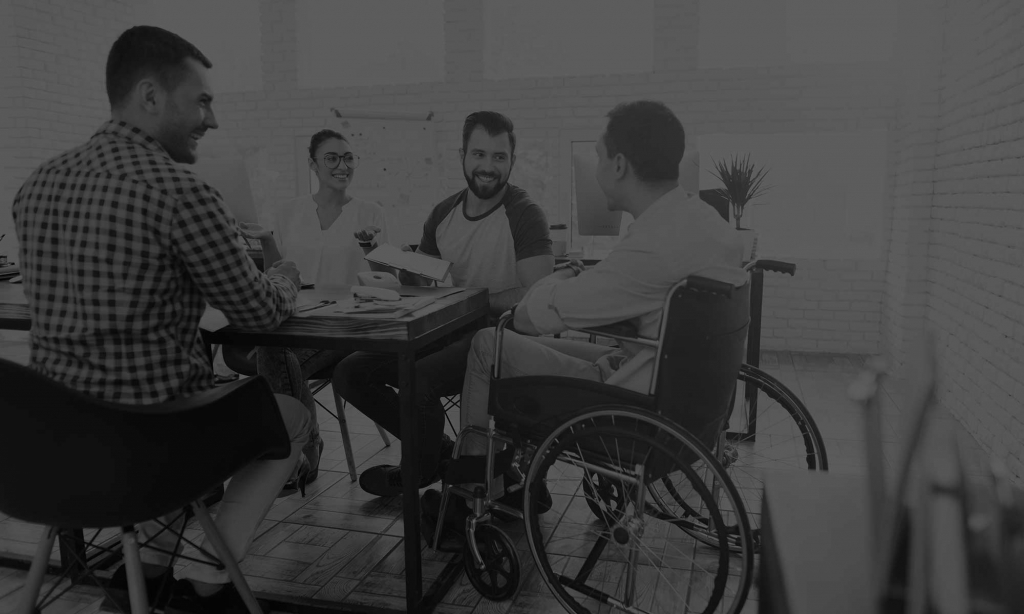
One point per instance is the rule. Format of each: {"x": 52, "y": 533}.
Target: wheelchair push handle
{"x": 774, "y": 266}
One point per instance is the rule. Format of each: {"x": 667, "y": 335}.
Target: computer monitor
{"x": 593, "y": 219}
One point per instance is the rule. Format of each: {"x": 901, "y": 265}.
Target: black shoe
{"x": 386, "y": 480}
{"x": 298, "y": 483}
{"x": 312, "y": 471}
{"x": 185, "y": 600}
{"x": 515, "y": 501}
{"x": 158, "y": 590}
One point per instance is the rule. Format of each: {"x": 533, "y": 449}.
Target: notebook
{"x": 431, "y": 268}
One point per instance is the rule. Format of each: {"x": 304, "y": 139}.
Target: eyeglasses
{"x": 332, "y": 160}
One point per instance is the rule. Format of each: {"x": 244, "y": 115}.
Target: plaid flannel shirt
{"x": 121, "y": 249}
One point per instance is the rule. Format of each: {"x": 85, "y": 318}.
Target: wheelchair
{"x": 643, "y": 516}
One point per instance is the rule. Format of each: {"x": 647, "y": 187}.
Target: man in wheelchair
{"x": 674, "y": 235}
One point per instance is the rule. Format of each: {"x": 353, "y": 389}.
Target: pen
{"x": 323, "y": 303}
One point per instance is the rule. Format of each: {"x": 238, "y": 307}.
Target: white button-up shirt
{"x": 329, "y": 257}
{"x": 677, "y": 236}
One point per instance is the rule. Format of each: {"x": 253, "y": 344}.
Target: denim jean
{"x": 369, "y": 382}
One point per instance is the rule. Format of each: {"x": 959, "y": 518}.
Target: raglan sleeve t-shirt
{"x": 484, "y": 249}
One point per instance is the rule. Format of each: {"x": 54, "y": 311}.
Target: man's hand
{"x": 408, "y": 278}
{"x": 576, "y": 265}
{"x": 254, "y": 231}
{"x": 288, "y": 269}
{"x": 367, "y": 234}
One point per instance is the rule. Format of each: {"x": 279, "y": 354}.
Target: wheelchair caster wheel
{"x": 499, "y": 579}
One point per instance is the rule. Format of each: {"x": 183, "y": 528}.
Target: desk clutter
{"x": 942, "y": 541}
{"x": 9, "y": 270}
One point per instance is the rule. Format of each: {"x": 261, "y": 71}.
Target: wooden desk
{"x": 816, "y": 555}
{"x": 402, "y": 336}
{"x": 13, "y": 307}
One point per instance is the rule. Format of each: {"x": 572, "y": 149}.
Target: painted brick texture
{"x": 976, "y": 255}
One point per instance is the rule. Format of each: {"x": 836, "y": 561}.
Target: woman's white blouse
{"x": 329, "y": 257}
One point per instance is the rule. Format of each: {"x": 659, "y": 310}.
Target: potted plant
{"x": 743, "y": 183}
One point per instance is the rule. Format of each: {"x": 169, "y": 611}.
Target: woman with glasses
{"x": 322, "y": 233}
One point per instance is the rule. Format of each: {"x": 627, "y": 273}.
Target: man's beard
{"x": 486, "y": 191}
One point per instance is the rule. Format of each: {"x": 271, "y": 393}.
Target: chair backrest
{"x": 70, "y": 460}
{"x": 703, "y": 337}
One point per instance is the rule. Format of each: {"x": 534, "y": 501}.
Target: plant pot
{"x": 749, "y": 238}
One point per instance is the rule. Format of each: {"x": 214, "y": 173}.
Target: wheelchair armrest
{"x": 618, "y": 330}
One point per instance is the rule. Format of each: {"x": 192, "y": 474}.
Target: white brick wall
{"x": 956, "y": 263}
{"x": 976, "y": 254}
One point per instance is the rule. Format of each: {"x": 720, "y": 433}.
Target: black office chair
{"x": 106, "y": 464}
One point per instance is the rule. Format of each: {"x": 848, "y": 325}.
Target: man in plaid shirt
{"x": 122, "y": 247}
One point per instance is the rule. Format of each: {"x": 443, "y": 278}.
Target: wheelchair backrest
{"x": 703, "y": 337}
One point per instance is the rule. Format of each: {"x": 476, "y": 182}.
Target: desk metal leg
{"x": 410, "y": 478}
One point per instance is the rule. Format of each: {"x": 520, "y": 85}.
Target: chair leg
{"x": 133, "y": 569}
{"x": 226, "y": 557}
{"x": 346, "y": 440}
{"x": 36, "y": 573}
{"x": 384, "y": 436}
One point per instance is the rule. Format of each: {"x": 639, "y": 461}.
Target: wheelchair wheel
{"x": 499, "y": 578}
{"x": 644, "y": 560}
{"x": 769, "y": 428}
{"x": 605, "y": 497}
{"x": 770, "y": 425}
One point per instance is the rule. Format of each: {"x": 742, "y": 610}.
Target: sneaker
{"x": 386, "y": 480}
{"x": 185, "y": 600}
{"x": 158, "y": 590}
{"x": 515, "y": 500}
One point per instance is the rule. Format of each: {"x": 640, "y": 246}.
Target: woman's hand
{"x": 367, "y": 234}
{"x": 254, "y": 231}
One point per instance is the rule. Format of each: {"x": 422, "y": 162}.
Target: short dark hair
{"x": 650, "y": 136}
{"x": 493, "y": 122}
{"x": 319, "y": 138}
{"x": 144, "y": 50}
